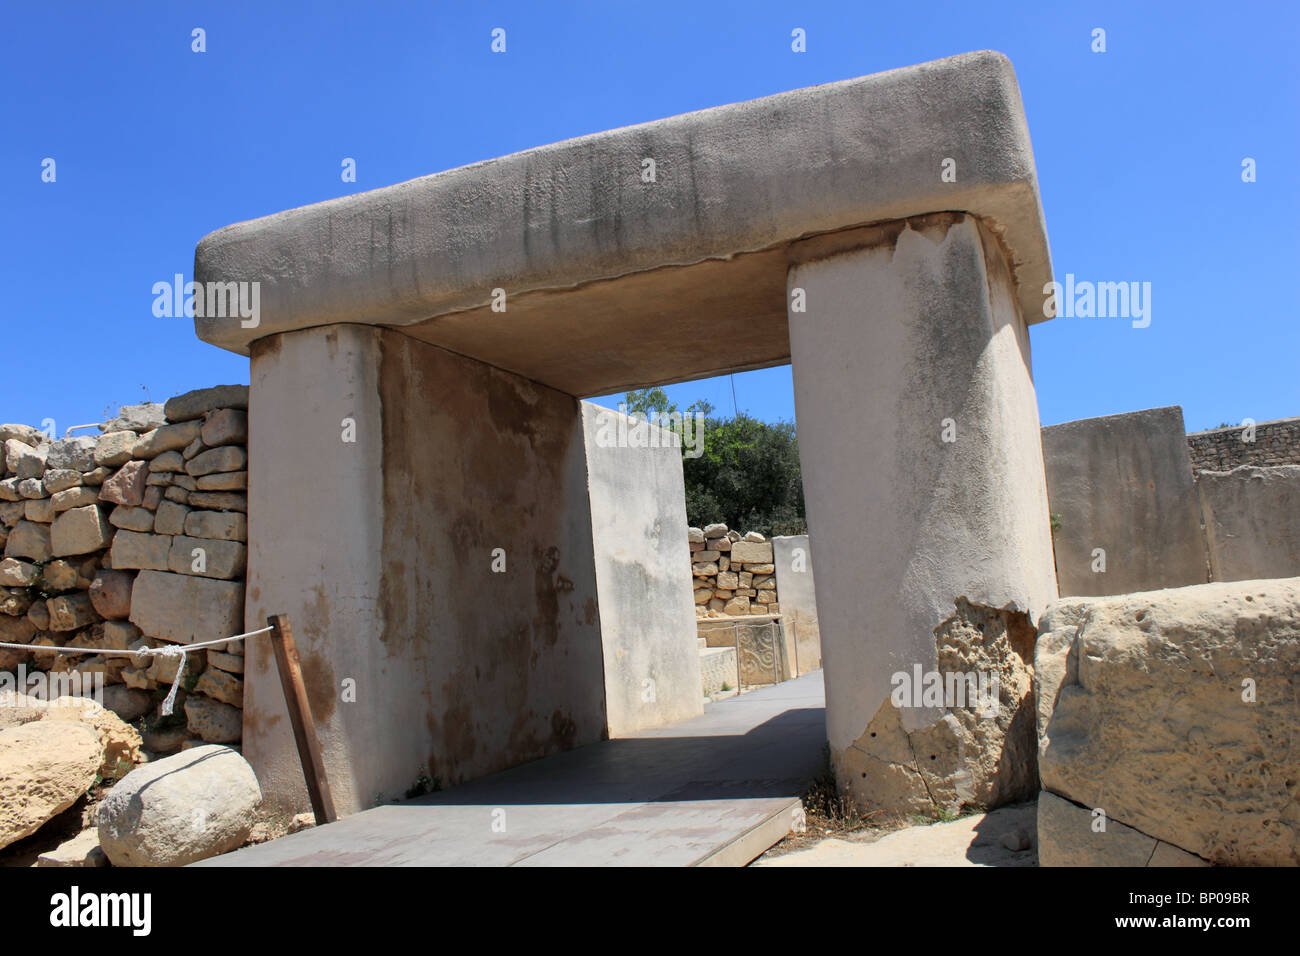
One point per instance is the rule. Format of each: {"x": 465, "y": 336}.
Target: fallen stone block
{"x": 1173, "y": 711}
{"x": 45, "y": 767}
{"x": 149, "y": 817}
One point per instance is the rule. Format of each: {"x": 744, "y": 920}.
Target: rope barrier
{"x": 167, "y": 650}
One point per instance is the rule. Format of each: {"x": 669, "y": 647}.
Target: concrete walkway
{"x": 714, "y": 790}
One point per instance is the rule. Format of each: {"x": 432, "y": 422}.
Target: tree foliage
{"x": 747, "y": 474}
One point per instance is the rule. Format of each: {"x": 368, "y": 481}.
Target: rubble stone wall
{"x": 133, "y": 537}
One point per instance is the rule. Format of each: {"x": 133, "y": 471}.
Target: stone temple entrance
{"x": 417, "y": 366}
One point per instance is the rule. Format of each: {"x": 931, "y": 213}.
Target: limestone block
{"x": 1174, "y": 711}
{"x": 17, "y": 574}
{"x": 136, "y": 418}
{"x": 226, "y": 458}
{"x": 60, "y": 479}
{"x": 218, "y": 500}
{"x": 223, "y": 481}
{"x": 29, "y": 540}
{"x": 207, "y": 557}
{"x": 40, "y": 510}
{"x": 183, "y": 608}
{"x": 132, "y": 550}
{"x": 80, "y": 531}
{"x": 24, "y": 460}
{"x": 131, "y": 518}
{"x": 127, "y": 485}
{"x": 75, "y": 454}
{"x": 1071, "y": 835}
{"x": 45, "y": 767}
{"x": 224, "y": 525}
{"x": 214, "y": 721}
{"x": 1252, "y": 521}
{"x": 167, "y": 462}
{"x": 170, "y": 518}
{"x": 164, "y": 439}
{"x": 221, "y": 685}
{"x": 69, "y": 498}
{"x": 147, "y": 819}
{"x": 194, "y": 404}
{"x": 31, "y": 488}
{"x": 225, "y": 426}
{"x": 114, "y": 449}
{"x": 752, "y": 552}
{"x": 110, "y": 593}
{"x": 68, "y": 612}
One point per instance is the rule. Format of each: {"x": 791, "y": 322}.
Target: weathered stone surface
{"x": 1252, "y": 521}
{"x": 695, "y": 535}
{"x": 1071, "y": 835}
{"x": 24, "y": 460}
{"x": 170, "y": 518}
{"x": 226, "y": 426}
{"x": 217, "y": 500}
{"x": 9, "y": 490}
{"x": 1174, "y": 712}
{"x": 17, "y": 574}
{"x": 79, "y": 851}
{"x": 80, "y": 531}
{"x": 127, "y": 485}
{"x": 193, "y": 404}
{"x": 23, "y": 433}
{"x": 751, "y": 552}
{"x": 70, "y": 498}
{"x": 1122, "y": 485}
{"x": 136, "y": 418}
{"x": 39, "y": 615}
{"x": 207, "y": 557}
{"x": 31, "y": 488}
{"x": 230, "y": 663}
{"x": 221, "y": 685}
{"x": 129, "y": 704}
{"x": 45, "y": 766}
{"x": 96, "y": 476}
{"x": 68, "y": 612}
{"x": 119, "y": 742}
{"x": 29, "y": 540}
{"x": 120, "y": 635}
{"x": 227, "y": 458}
{"x": 110, "y": 593}
{"x": 60, "y": 479}
{"x": 133, "y": 550}
{"x": 153, "y": 497}
{"x": 223, "y": 481}
{"x": 74, "y": 454}
{"x": 166, "y": 438}
{"x": 60, "y": 576}
{"x": 214, "y": 721}
{"x": 183, "y": 608}
{"x": 148, "y": 818}
{"x": 40, "y": 510}
{"x": 166, "y": 463}
{"x": 114, "y": 449}
{"x": 132, "y": 518}
{"x": 223, "y": 525}
{"x": 702, "y": 569}
{"x": 14, "y": 602}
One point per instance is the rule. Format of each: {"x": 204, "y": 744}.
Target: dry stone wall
{"x": 734, "y": 574}
{"x": 133, "y": 538}
{"x": 1264, "y": 444}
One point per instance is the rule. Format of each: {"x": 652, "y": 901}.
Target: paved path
{"x": 714, "y": 790}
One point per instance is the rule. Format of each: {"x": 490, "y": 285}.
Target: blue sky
{"x": 1139, "y": 153}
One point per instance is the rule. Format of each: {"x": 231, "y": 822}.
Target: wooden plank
{"x": 304, "y": 730}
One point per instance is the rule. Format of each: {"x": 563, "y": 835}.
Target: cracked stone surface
{"x": 959, "y": 758}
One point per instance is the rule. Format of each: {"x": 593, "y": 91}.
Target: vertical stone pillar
{"x": 923, "y": 475}
{"x": 423, "y": 519}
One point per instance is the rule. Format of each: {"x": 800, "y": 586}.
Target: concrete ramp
{"x": 714, "y": 790}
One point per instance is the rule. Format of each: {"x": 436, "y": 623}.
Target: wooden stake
{"x": 304, "y": 731}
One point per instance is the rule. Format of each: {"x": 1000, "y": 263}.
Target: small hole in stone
{"x": 1142, "y": 615}
{"x": 864, "y": 775}
{"x": 873, "y": 733}
{"x": 932, "y": 757}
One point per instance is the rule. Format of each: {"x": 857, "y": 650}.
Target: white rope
{"x": 167, "y": 650}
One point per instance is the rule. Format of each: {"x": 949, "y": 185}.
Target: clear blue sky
{"x": 1139, "y": 156}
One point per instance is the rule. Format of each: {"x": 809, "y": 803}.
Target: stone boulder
{"x": 180, "y": 809}
{"x": 1174, "y": 712}
{"x": 45, "y": 767}
{"x": 119, "y": 742}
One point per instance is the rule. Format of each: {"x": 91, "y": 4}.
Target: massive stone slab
{"x": 1175, "y": 712}
{"x": 647, "y": 612}
{"x": 183, "y": 608}
{"x": 1120, "y": 488}
{"x": 919, "y": 434}
{"x": 452, "y": 587}
{"x": 1252, "y": 521}
{"x": 606, "y": 276}
{"x": 798, "y": 598}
